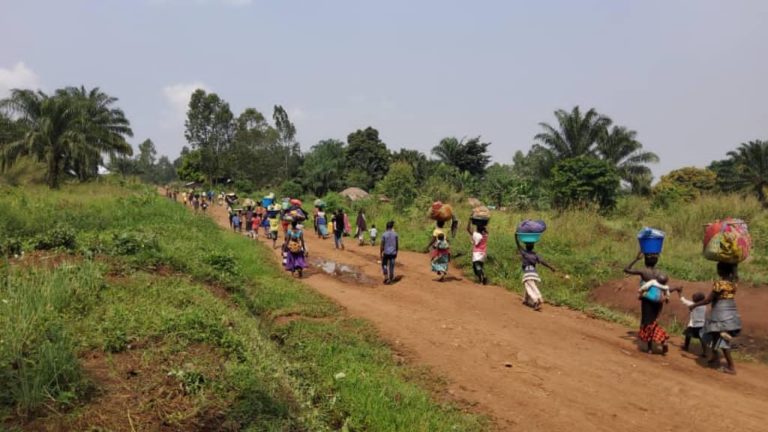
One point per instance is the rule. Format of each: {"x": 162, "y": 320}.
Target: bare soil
{"x": 555, "y": 370}
{"x": 133, "y": 392}
{"x": 752, "y": 302}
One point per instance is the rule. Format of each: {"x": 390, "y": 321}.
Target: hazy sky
{"x": 690, "y": 76}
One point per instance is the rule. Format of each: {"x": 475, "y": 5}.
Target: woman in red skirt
{"x": 651, "y": 331}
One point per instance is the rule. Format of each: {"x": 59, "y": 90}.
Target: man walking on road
{"x": 390, "y": 244}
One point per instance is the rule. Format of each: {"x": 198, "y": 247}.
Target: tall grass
{"x": 278, "y": 377}
{"x": 38, "y": 365}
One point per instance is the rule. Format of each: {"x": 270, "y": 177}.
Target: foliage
{"x": 291, "y": 188}
{"x": 620, "y": 147}
{"x": 499, "y": 185}
{"x": 399, "y": 184}
{"x": 751, "y": 162}
{"x": 465, "y": 155}
{"x": 582, "y": 181}
{"x": 576, "y": 134}
{"x": 191, "y": 166}
{"x": 70, "y": 131}
{"x": 324, "y": 167}
{"x": 422, "y": 166}
{"x": 59, "y": 237}
{"x": 367, "y": 156}
{"x": 591, "y": 134}
{"x": 210, "y": 128}
{"x": 684, "y": 184}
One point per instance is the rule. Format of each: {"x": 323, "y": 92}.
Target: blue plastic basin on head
{"x": 529, "y": 237}
{"x": 267, "y": 201}
{"x": 651, "y": 245}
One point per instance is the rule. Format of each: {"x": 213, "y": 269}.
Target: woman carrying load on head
{"x": 650, "y": 330}
{"x": 296, "y": 249}
{"x": 439, "y": 250}
{"x": 321, "y": 221}
{"x": 724, "y": 321}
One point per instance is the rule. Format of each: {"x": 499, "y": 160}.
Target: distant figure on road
{"x": 390, "y": 245}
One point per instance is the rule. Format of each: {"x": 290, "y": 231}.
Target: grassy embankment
{"x": 112, "y": 275}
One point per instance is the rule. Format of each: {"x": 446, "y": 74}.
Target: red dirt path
{"x": 567, "y": 372}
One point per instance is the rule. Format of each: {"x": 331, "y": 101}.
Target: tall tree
{"x": 70, "y": 131}
{"x": 209, "y": 129}
{"x": 289, "y": 149}
{"x": 576, "y": 134}
{"x": 466, "y": 155}
{"x": 146, "y": 160}
{"x": 621, "y": 148}
{"x": 324, "y": 167}
{"x": 368, "y": 156}
{"x": 422, "y": 167}
{"x": 751, "y": 160}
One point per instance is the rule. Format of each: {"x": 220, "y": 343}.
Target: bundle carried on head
{"x": 651, "y": 240}
{"x": 295, "y": 202}
{"x": 320, "y": 203}
{"x": 268, "y": 200}
{"x": 529, "y": 230}
{"x": 441, "y": 212}
{"x": 727, "y": 241}
{"x": 480, "y": 215}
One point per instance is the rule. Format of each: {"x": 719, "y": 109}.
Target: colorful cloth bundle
{"x": 727, "y": 241}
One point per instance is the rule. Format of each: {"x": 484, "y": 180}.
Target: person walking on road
{"x": 479, "y": 251}
{"x": 390, "y": 245}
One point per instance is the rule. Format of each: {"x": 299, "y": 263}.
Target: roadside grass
{"x": 135, "y": 271}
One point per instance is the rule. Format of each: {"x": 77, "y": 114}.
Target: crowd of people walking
{"x": 715, "y": 330}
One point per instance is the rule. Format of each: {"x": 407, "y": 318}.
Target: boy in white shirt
{"x": 373, "y": 233}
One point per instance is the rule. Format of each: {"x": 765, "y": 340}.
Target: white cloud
{"x": 177, "y": 96}
{"x": 18, "y": 76}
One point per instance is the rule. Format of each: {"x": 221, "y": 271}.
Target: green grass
{"x": 139, "y": 271}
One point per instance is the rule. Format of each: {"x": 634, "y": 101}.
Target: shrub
{"x": 583, "y": 181}
{"x": 58, "y": 238}
{"x": 132, "y": 243}
{"x": 399, "y": 184}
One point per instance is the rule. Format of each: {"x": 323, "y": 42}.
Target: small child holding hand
{"x": 696, "y": 319}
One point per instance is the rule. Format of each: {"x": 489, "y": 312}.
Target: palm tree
{"x": 621, "y": 148}
{"x": 449, "y": 151}
{"x": 70, "y": 131}
{"x": 751, "y": 160}
{"x": 575, "y": 135}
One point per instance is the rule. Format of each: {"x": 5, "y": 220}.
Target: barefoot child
{"x": 529, "y": 260}
{"x": 696, "y": 319}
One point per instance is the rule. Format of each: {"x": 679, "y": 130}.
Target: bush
{"x": 291, "y": 188}
{"x": 399, "y": 184}
{"x": 57, "y": 238}
{"x": 131, "y": 243}
{"x": 582, "y": 181}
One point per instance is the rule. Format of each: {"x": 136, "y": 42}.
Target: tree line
{"x": 583, "y": 158}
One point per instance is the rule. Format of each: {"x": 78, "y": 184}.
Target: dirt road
{"x": 566, "y": 372}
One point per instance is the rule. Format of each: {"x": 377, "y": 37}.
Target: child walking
{"x": 441, "y": 256}
{"x": 373, "y": 233}
{"x": 479, "y": 251}
{"x": 530, "y": 259}
{"x": 696, "y": 319}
